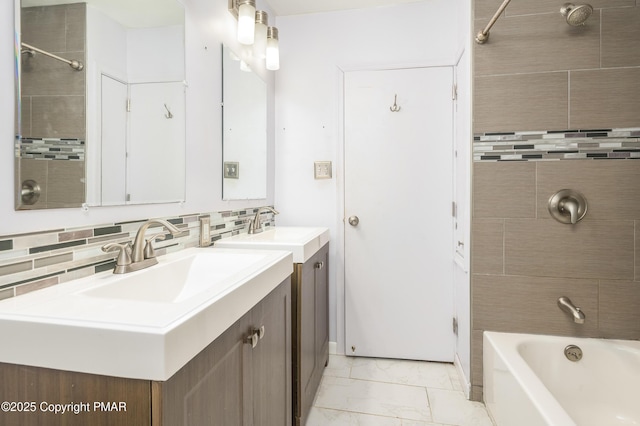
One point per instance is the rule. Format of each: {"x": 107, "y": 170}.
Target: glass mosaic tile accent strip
{"x": 52, "y": 149}
{"x": 37, "y": 260}
{"x": 557, "y": 145}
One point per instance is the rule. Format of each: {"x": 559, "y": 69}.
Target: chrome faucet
{"x": 565, "y": 304}
{"x": 140, "y": 255}
{"x": 255, "y": 226}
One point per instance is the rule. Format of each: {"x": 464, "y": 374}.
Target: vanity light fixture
{"x": 260, "y": 40}
{"x": 273, "y": 51}
{"x": 246, "y": 21}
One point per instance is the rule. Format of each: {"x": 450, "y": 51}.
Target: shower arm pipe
{"x": 76, "y": 65}
{"x": 483, "y": 35}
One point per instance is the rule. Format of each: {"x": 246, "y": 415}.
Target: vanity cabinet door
{"x": 236, "y": 381}
{"x": 271, "y": 359}
{"x": 321, "y": 280}
{"x": 312, "y": 329}
{"x": 212, "y": 388}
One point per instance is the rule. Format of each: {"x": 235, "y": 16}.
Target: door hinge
{"x": 454, "y": 209}
{"x": 128, "y": 104}
{"x": 454, "y": 92}
{"x": 455, "y": 326}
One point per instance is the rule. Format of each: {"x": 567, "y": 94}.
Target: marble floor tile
{"x": 372, "y": 392}
{"x": 417, "y": 373}
{"x": 325, "y": 417}
{"x": 339, "y": 366}
{"x": 369, "y": 397}
{"x": 452, "y": 408}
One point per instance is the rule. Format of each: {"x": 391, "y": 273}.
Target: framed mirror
{"x": 244, "y": 136}
{"x": 100, "y": 103}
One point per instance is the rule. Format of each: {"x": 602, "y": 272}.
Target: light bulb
{"x": 260, "y": 40}
{"x": 246, "y": 21}
{"x": 273, "y": 50}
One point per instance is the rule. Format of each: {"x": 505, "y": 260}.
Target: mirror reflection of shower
{"x": 31, "y": 51}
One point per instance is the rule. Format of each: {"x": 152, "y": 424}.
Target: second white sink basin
{"x": 302, "y": 242}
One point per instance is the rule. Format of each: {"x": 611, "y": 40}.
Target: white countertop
{"x": 79, "y": 326}
{"x": 302, "y": 242}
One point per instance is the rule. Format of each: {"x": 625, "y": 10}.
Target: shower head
{"x": 576, "y": 15}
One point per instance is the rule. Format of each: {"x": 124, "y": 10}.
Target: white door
{"x": 398, "y": 187}
{"x": 114, "y": 141}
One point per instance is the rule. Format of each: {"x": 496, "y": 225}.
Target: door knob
{"x": 354, "y": 221}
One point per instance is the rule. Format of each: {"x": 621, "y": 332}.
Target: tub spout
{"x": 567, "y": 306}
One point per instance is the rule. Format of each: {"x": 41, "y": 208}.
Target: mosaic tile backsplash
{"x": 33, "y": 261}
{"x": 52, "y": 149}
{"x": 557, "y": 145}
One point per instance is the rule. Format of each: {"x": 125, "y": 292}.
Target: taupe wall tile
{"x": 43, "y": 76}
{"x": 487, "y": 246}
{"x": 505, "y": 189}
{"x": 620, "y": 37}
{"x": 51, "y": 117}
{"x": 476, "y": 357}
{"x": 530, "y": 305}
{"x": 590, "y": 249}
{"x": 76, "y": 26}
{"x": 637, "y": 249}
{"x": 619, "y": 313}
{"x": 610, "y": 187}
{"x": 608, "y": 98}
{"x": 537, "y": 43}
{"x": 44, "y": 27}
{"x": 66, "y": 182}
{"x": 523, "y": 102}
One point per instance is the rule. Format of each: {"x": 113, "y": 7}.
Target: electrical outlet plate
{"x": 231, "y": 170}
{"x": 322, "y": 170}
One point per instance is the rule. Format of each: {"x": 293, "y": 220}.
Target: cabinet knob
{"x": 259, "y": 332}
{"x": 319, "y": 265}
{"x": 252, "y": 339}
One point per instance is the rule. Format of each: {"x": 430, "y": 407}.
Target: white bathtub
{"x": 529, "y": 381}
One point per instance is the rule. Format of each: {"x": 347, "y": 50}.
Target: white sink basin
{"x": 302, "y": 242}
{"x": 176, "y": 281}
{"x": 145, "y": 324}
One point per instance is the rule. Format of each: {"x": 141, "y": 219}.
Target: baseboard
{"x": 333, "y": 348}
{"x": 466, "y": 385}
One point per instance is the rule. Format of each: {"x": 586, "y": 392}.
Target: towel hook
{"x": 395, "y": 107}
{"x": 168, "y": 115}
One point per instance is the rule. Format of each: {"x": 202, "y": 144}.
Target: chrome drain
{"x": 573, "y": 353}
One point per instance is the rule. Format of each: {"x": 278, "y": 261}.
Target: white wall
{"x": 314, "y": 49}
{"x": 208, "y": 24}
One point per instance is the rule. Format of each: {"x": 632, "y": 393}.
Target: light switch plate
{"x": 322, "y": 170}
{"x": 205, "y": 231}
{"x": 231, "y": 170}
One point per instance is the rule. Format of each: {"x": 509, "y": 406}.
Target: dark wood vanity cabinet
{"x": 236, "y": 381}
{"x": 239, "y": 379}
{"x": 310, "y": 290}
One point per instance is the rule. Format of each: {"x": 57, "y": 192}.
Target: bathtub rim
{"x": 505, "y": 346}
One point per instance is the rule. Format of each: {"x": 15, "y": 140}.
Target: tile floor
{"x": 372, "y": 392}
